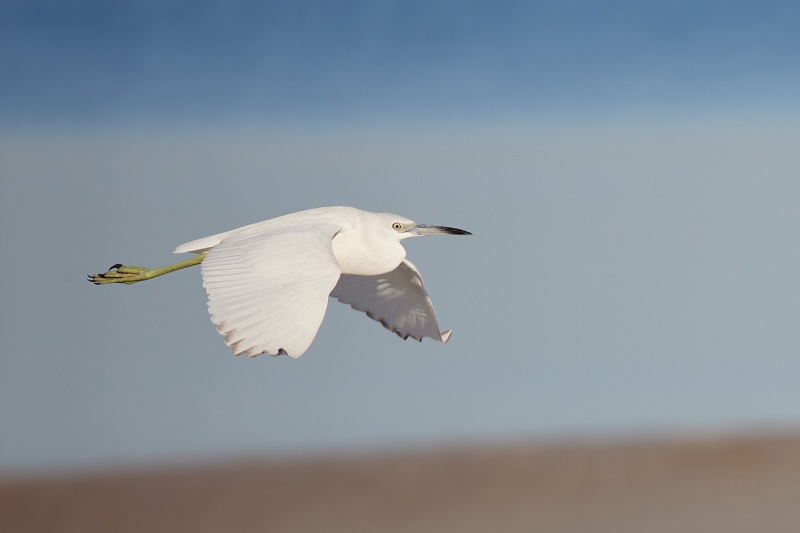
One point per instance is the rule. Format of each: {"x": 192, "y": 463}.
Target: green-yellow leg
{"x": 131, "y": 274}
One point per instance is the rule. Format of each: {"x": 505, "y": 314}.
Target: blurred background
{"x": 629, "y": 171}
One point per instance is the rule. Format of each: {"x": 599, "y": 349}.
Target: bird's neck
{"x": 360, "y": 255}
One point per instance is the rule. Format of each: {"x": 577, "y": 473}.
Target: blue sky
{"x": 265, "y": 62}
{"x": 628, "y": 169}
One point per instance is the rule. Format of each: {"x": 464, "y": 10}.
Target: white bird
{"x": 268, "y": 283}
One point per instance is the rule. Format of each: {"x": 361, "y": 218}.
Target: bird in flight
{"x": 268, "y": 283}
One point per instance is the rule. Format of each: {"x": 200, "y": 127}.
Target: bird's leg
{"x": 131, "y": 274}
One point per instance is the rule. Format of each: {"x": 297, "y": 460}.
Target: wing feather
{"x": 268, "y": 291}
{"x": 396, "y": 299}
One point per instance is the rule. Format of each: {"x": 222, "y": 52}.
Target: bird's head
{"x": 404, "y": 228}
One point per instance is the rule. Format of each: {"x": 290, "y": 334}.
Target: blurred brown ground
{"x": 712, "y": 485}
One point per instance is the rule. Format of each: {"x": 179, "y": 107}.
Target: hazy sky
{"x": 629, "y": 170}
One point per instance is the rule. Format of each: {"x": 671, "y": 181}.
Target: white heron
{"x": 268, "y": 283}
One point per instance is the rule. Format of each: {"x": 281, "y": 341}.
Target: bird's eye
{"x": 397, "y": 226}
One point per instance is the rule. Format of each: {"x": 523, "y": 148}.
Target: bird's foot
{"x": 121, "y": 274}
{"x": 131, "y": 274}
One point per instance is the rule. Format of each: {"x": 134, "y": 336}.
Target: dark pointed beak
{"x": 424, "y": 229}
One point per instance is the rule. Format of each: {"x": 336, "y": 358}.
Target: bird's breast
{"x": 362, "y": 257}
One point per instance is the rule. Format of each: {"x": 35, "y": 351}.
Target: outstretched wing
{"x": 396, "y": 299}
{"x": 268, "y": 291}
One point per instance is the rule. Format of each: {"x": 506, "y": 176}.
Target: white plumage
{"x": 268, "y": 283}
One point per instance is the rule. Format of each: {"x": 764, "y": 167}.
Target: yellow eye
{"x": 397, "y": 226}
